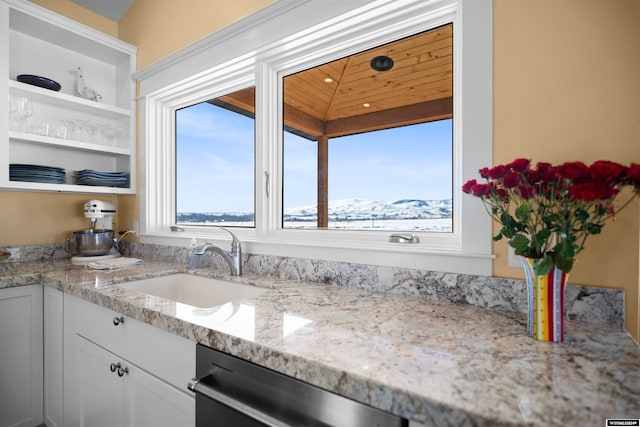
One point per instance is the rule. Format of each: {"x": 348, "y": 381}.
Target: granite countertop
{"x": 432, "y": 362}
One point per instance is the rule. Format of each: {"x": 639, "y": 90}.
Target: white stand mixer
{"x": 101, "y": 214}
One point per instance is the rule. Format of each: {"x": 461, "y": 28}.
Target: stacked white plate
{"x": 37, "y": 173}
{"x": 100, "y": 178}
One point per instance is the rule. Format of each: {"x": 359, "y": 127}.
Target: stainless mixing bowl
{"x": 93, "y": 242}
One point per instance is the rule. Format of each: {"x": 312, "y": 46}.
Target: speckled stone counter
{"x": 433, "y": 362}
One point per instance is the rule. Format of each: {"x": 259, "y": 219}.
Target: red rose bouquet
{"x": 547, "y": 212}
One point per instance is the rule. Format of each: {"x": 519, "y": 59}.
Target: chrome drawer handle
{"x": 118, "y": 367}
{"x": 122, "y": 371}
{"x": 196, "y": 386}
{"x": 117, "y": 320}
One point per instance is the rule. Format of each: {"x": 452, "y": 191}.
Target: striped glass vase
{"x": 545, "y": 320}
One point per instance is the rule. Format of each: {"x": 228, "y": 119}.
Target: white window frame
{"x": 258, "y": 51}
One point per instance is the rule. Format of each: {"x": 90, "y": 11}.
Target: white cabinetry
{"x": 64, "y": 130}
{"x": 53, "y": 357}
{"x": 21, "y": 356}
{"x": 123, "y": 372}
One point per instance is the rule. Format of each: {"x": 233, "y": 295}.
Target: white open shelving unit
{"x": 36, "y": 41}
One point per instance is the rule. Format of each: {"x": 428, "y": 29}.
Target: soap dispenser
{"x": 193, "y": 260}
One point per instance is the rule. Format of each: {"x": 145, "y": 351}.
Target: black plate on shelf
{"x": 39, "y": 81}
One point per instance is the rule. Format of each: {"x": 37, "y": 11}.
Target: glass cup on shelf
{"x": 93, "y": 131}
{"x": 60, "y": 130}
{"x": 13, "y": 108}
{"x": 20, "y": 109}
{"x": 74, "y": 130}
{"x": 41, "y": 129}
{"x": 112, "y": 133}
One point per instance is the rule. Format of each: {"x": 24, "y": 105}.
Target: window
{"x": 397, "y": 179}
{"x": 215, "y": 161}
{"x": 381, "y": 123}
{"x": 261, "y": 51}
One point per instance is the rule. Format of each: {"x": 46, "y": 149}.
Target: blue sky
{"x": 215, "y": 160}
{"x": 215, "y": 163}
{"x": 410, "y": 162}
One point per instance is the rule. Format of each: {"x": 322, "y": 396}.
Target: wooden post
{"x": 323, "y": 181}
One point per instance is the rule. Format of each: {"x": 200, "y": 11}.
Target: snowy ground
{"x": 440, "y": 225}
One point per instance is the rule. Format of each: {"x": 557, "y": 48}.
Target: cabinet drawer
{"x": 161, "y": 353}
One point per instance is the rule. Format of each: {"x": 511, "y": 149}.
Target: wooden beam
{"x": 244, "y": 99}
{"x": 410, "y": 114}
{"x": 302, "y": 121}
{"x": 323, "y": 181}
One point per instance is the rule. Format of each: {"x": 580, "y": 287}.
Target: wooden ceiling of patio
{"x": 419, "y": 88}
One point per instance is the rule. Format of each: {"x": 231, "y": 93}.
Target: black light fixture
{"x": 381, "y": 63}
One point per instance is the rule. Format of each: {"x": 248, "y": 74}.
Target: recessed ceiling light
{"x": 328, "y": 79}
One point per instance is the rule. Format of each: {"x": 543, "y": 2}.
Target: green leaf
{"x": 582, "y": 215}
{"x": 544, "y": 266}
{"x": 507, "y": 220}
{"x": 551, "y": 220}
{"x": 593, "y": 228}
{"x": 507, "y": 232}
{"x": 497, "y": 237}
{"x": 523, "y": 212}
{"x": 564, "y": 263}
{"x": 519, "y": 243}
{"x": 543, "y": 234}
{"x": 567, "y": 249}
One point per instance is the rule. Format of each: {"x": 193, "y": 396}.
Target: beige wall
{"x": 37, "y": 218}
{"x": 566, "y": 88}
{"x": 161, "y": 27}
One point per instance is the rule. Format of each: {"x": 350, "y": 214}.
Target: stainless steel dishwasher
{"x": 232, "y": 392}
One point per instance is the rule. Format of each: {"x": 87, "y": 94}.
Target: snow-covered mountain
{"x": 358, "y": 209}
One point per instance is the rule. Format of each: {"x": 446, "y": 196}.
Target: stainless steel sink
{"x": 193, "y": 290}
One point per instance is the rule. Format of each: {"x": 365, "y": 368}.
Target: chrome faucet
{"x": 233, "y": 257}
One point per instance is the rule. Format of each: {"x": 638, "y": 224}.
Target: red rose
{"x": 606, "y": 171}
{"x": 604, "y": 210}
{"x": 576, "y": 171}
{"x": 549, "y": 177}
{"x": 543, "y": 167}
{"x": 546, "y": 172}
{"x": 519, "y": 165}
{"x": 512, "y": 179}
{"x": 591, "y": 191}
{"x": 466, "y": 188}
{"x": 484, "y": 172}
{"x": 497, "y": 172}
{"x": 633, "y": 173}
{"x": 526, "y": 192}
{"x": 531, "y": 176}
{"x": 480, "y": 190}
{"x": 502, "y": 194}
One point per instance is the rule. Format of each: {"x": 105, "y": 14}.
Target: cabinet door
{"x": 21, "y": 356}
{"x": 93, "y": 394}
{"x": 155, "y": 361}
{"x": 53, "y": 362}
{"x": 154, "y": 403}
